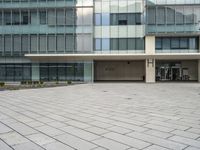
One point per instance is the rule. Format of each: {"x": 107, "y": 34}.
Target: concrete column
{"x": 150, "y": 45}
{"x": 88, "y": 71}
{"x": 35, "y": 72}
{"x": 199, "y": 70}
{"x": 150, "y": 70}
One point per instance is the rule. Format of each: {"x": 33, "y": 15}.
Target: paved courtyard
{"x": 118, "y": 116}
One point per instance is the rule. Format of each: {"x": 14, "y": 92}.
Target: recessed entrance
{"x": 176, "y": 71}
{"x": 119, "y": 70}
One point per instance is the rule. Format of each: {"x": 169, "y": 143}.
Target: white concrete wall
{"x": 150, "y": 70}
{"x": 150, "y": 44}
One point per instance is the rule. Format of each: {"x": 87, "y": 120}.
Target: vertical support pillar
{"x": 35, "y": 72}
{"x": 150, "y": 70}
{"x": 88, "y": 71}
{"x": 199, "y": 70}
{"x": 150, "y": 62}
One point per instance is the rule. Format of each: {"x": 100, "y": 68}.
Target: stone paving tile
{"x": 158, "y": 141}
{"x": 155, "y": 147}
{"x": 4, "y": 128}
{"x": 136, "y": 115}
{"x": 57, "y": 146}
{"x": 80, "y": 133}
{"x": 4, "y": 146}
{"x": 96, "y": 130}
{"x": 75, "y": 142}
{"x": 186, "y": 134}
{"x": 49, "y": 130}
{"x": 110, "y": 144}
{"x": 159, "y": 128}
{"x": 191, "y": 148}
{"x": 40, "y": 139}
{"x": 127, "y": 140}
{"x": 187, "y": 141}
{"x": 119, "y": 130}
{"x": 158, "y": 133}
{"x": 22, "y": 128}
{"x": 13, "y": 138}
{"x": 27, "y": 146}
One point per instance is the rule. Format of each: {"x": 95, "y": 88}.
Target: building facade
{"x": 99, "y": 40}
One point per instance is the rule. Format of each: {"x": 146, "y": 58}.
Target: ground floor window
{"x": 62, "y": 71}
{"x": 15, "y": 72}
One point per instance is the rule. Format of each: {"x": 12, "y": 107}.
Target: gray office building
{"x": 99, "y": 40}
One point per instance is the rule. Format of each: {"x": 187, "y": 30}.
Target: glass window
{"x": 160, "y": 19}
{"x": 114, "y": 19}
{"x": 60, "y": 17}
{"x": 131, "y": 44}
{"x": 42, "y": 43}
{"x": 26, "y": 72}
{"x": 151, "y": 16}
{"x": 7, "y": 18}
{"x": 114, "y": 44}
{"x": 87, "y": 42}
{"x": 51, "y": 43}
{"x": 189, "y": 15}
{"x": 179, "y": 15}
{"x": 170, "y": 16}
{"x": 166, "y": 43}
{"x": 7, "y": 43}
{"x": 1, "y": 45}
{"x": 105, "y": 19}
{"x": 138, "y": 20}
{"x": 60, "y": 42}
{"x": 123, "y": 44}
{"x": 61, "y": 72}
{"x": 175, "y": 43}
{"x": 24, "y": 18}
{"x": 43, "y": 17}
{"x": 1, "y": 18}
{"x": 122, "y": 20}
{"x": 15, "y": 18}
{"x": 70, "y": 42}
{"x": 51, "y": 17}
{"x": 79, "y": 16}
{"x": 44, "y": 71}
{"x": 97, "y": 44}
{"x": 79, "y": 71}
{"x": 70, "y": 71}
{"x": 34, "y": 43}
{"x": 2, "y": 72}
{"x": 25, "y": 43}
{"x": 105, "y": 44}
{"x": 53, "y": 72}
{"x": 18, "y": 72}
{"x": 184, "y": 43}
{"x": 16, "y": 43}
{"x": 87, "y": 16}
{"x": 139, "y": 44}
{"x": 193, "y": 43}
{"x": 97, "y": 19}
{"x": 132, "y": 19}
{"x": 158, "y": 43}
{"x": 10, "y": 72}
{"x": 70, "y": 17}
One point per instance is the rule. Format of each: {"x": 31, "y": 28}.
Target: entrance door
{"x": 175, "y": 73}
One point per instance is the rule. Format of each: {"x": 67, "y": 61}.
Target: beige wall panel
{"x": 150, "y": 44}
{"x": 119, "y": 70}
{"x": 192, "y": 69}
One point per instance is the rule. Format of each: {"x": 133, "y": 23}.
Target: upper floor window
{"x": 118, "y": 19}
{"x": 167, "y": 43}
{"x": 171, "y": 15}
